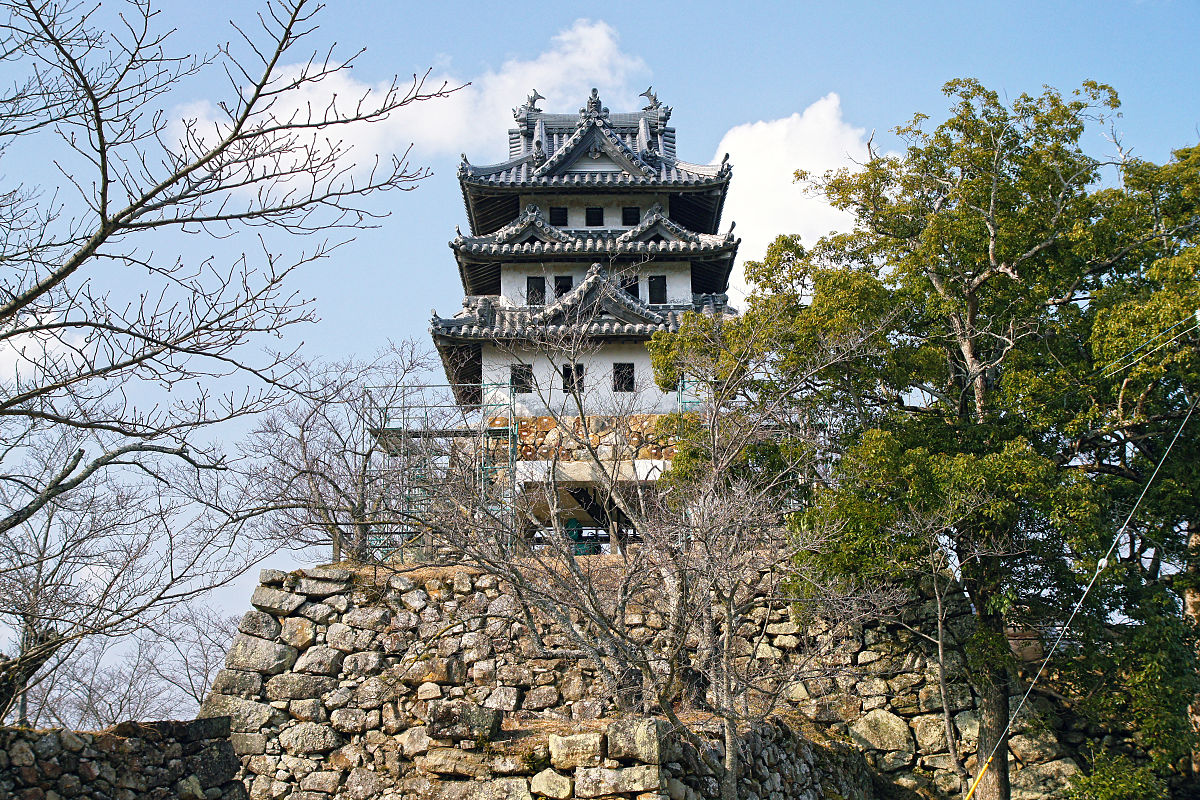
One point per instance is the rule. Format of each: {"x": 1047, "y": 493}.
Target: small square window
{"x": 594, "y": 217}
{"x": 631, "y": 216}
{"x": 572, "y": 376}
{"x": 558, "y": 216}
{"x": 520, "y": 378}
{"x": 563, "y": 284}
{"x": 535, "y": 291}
{"x": 629, "y": 284}
{"x": 657, "y": 286}
{"x": 622, "y": 377}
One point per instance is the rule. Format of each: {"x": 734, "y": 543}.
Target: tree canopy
{"x": 1025, "y": 312}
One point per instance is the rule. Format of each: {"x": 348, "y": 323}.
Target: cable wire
{"x": 1101, "y": 565}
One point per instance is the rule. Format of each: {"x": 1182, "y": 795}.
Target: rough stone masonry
{"x": 398, "y": 687}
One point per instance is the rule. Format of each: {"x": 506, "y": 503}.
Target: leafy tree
{"x": 996, "y": 281}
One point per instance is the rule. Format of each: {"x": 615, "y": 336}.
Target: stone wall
{"x": 422, "y": 689}
{"x": 335, "y": 686}
{"x": 132, "y": 761}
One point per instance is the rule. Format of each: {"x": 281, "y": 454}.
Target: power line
{"x": 1184, "y": 332}
{"x": 1100, "y": 567}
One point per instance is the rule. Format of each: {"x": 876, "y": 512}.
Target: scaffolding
{"x": 424, "y": 435}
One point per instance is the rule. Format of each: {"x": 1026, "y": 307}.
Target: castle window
{"x": 629, "y": 284}
{"x": 558, "y": 216}
{"x": 622, "y": 377}
{"x": 631, "y": 216}
{"x": 572, "y": 376}
{"x": 520, "y": 378}
{"x": 594, "y": 217}
{"x": 535, "y": 291}
{"x": 657, "y": 284}
{"x": 562, "y": 284}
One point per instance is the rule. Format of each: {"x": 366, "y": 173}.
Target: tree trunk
{"x": 729, "y": 780}
{"x": 1191, "y": 613}
{"x": 947, "y": 713}
{"x": 993, "y": 685}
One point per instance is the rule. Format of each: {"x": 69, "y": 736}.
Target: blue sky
{"x": 819, "y": 76}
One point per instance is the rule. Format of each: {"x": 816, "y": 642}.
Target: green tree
{"x": 993, "y": 279}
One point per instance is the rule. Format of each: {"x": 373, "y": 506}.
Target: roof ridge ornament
{"x": 651, "y": 97}
{"x": 521, "y": 113}
{"x": 594, "y": 110}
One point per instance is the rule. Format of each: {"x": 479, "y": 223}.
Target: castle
{"x": 591, "y": 237}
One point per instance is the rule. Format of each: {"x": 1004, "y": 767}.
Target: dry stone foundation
{"x": 132, "y": 761}
{"x": 408, "y": 688}
{"x": 426, "y": 686}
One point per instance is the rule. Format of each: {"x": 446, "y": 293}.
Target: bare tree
{"x": 119, "y": 355}
{"x": 710, "y": 553}
{"x": 189, "y": 648}
{"x": 316, "y": 459}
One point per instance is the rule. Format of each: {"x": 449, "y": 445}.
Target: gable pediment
{"x": 657, "y": 227}
{"x": 531, "y": 226}
{"x": 598, "y": 295}
{"x": 594, "y": 147}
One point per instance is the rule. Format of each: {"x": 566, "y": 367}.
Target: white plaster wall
{"x": 611, "y": 203}
{"x": 679, "y": 278}
{"x": 598, "y": 396}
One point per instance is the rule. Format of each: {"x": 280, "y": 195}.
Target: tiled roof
{"x": 596, "y": 308}
{"x": 546, "y": 145}
{"x": 513, "y": 239}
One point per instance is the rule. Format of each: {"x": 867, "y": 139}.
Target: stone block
{"x": 319, "y": 613}
{"x": 414, "y": 741}
{"x": 259, "y": 624}
{"x": 298, "y": 632}
{"x": 362, "y": 664}
{"x": 637, "y": 739}
{"x": 275, "y": 601}
{"x": 452, "y": 761}
{"x": 271, "y": 577}
{"x": 415, "y": 601}
{"x": 320, "y": 661}
{"x": 313, "y": 587}
{"x": 323, "y": 781}
{"x": 580, "y": 750}
{"x": 375, "y": 619}
{"x": 248, "y": 744}
{"x": 505, "y": 789}
{"x": 309, "y": 737}
{"x": 238, "y": 683}
{"x": 362, "y": 784}
{"x": 251, "y": 654}
{"x": 540, "y": 698}
{"x": 373, "y": 693}
{"x": 504, "y": 698}
{"x": 549, "y": 783}
{"x": 348, "y": 720}
{"x": 888, "y": 734}
{"x": 601, "y": 782}
{"x": 459, "y": 719}
{"x": 299, "y": 686}
{"x": 246, "y": 716}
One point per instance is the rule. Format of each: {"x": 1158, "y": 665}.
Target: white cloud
{"x": 763, "y": 198}
{"x": 472, "y": 119}
{"x": 585, "y": 55}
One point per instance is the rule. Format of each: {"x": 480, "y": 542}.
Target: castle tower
{"x": 587, "y": 240}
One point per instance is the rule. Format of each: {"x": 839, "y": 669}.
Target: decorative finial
{"x": 531, "y": 102}
{"x": 593, "y": 109}
{"x": 651, "y": 97}
{"x": 463, "y": 156}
